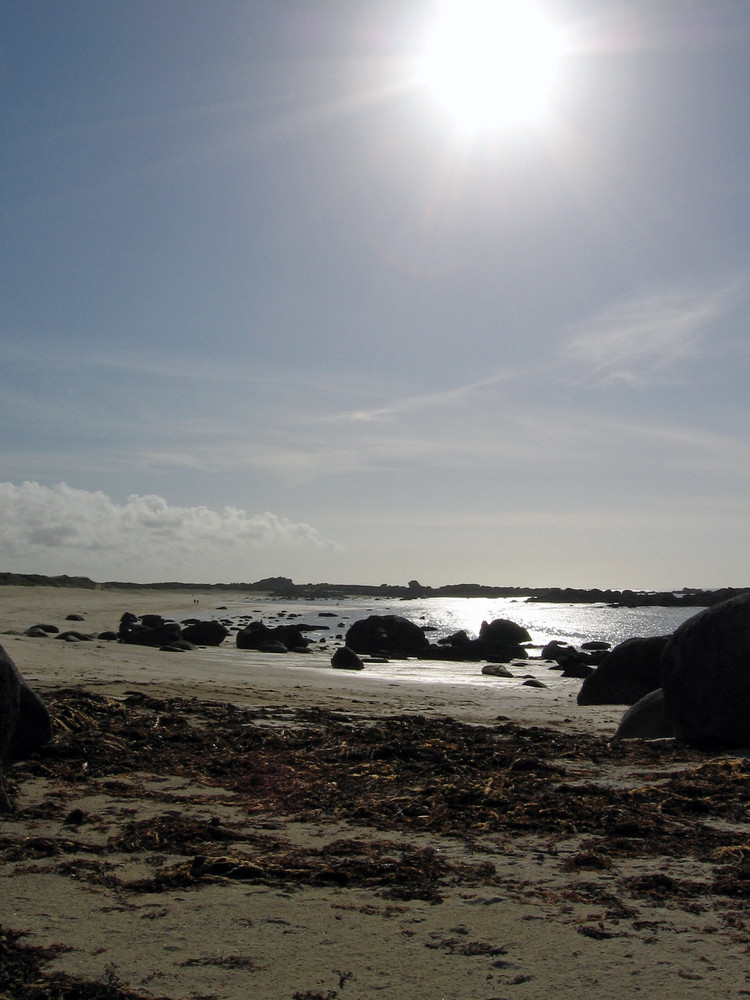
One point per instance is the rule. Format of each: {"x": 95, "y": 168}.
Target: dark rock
{"x": 24, "y": 721}
{"x": 706, "y": 676}
{"x": 36, "y": 633}
{"x": 596, "y": 645}
{"x": 534, "y": 682}
{"x": 108, "y": 636}
{"x": 646, "y": 720}
{"x": 577, "y": 669}
{"x": 205, "y": 633}
{"x": 273, "y": 647}
{"x": 501, "y": 630}
{"x": 475, "y": 650}
{"x": 50, "y": 629}
{"x": 561, "y": 652}
{"x": 152, "y": 621}
{"x": 151, "y": 630}
{"x": 346, "y": 659}
{"x": 74, "y": 618}
{"x": 178, "y": 646}
{"x": 390, "y": 635}
{"x": 496, "y": 670}
{"x": 625, "y": 675}
{"x": 256, "y": 635}
{"x": 72, "y": 636}
{"x": 459, "y": 638}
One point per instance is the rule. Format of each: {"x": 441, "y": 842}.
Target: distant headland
{"x": 281, "y": 586}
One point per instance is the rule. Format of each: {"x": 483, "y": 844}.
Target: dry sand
{"x": 326, "y": 835}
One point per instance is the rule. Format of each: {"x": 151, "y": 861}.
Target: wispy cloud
{"x": 645, "y": 340}
{"x": 451, "y": 397}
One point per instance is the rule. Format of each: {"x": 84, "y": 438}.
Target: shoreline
{"x": 285, "y": 588}
{"x": 249, "y": 677}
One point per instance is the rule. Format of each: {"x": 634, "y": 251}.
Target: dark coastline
{"x": 284, "y": 587}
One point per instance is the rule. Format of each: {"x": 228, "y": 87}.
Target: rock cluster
{"x": 281, "y": 639}
{"x": 153, "y": 630}
{"x": 693, "y": 685}
{"x": 705, "y": 675}
{"x": 395, "y": 636}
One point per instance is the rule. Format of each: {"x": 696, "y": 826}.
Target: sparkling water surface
{"x": 571, "y": 623}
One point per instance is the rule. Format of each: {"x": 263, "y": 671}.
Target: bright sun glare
{"x": 491, "y": 63}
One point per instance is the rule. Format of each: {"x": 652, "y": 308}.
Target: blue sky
{"x": 265, "y": 308}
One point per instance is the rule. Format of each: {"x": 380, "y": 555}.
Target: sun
{"x": 491, "y": 63}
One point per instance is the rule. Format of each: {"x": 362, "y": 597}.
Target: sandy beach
{"x": 210, "y": 825}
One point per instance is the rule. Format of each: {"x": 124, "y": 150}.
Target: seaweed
{"x": 412, "y": 785}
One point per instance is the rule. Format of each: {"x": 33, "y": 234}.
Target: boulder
{"x": 389, "y": 635}
{"x": 200, "y": 633}
{"x": 496, "y": 670}
{"x": 625, "y": 675}
{"x": 152, "y": 630}
{"x": 706, "y": 676}
{"x": 576, "y": 669}
{"x": 273, "y": 647}
{"x": 346, "y": 659}
{"x": 24, "y": 721}
{"x": 561, "y": 652}
{"x": 257, "y": 635}
{"x": 459, "y": 638}
{"x": 646, "y": 720}
{"x": 502, "y": 630}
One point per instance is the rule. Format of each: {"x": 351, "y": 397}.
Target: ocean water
{"x": 573, "y": 623}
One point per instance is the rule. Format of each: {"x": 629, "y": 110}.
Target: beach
{"x": 207, "y": 824}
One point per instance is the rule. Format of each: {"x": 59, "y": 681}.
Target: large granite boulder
{"x": 24, "y": 721}
{"x": 346, "y": 659}
{"x": 625, "y": 675}
{"x": 502, "y": 630}
{"x": 201, "y": 633}
{"x": 706, "y": 676}
{"x": 386, "y": 635}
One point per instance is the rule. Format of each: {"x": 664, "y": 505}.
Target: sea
{"x": 441, "y": 617}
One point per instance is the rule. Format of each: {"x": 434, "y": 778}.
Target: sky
{"x": 271, "y": 305}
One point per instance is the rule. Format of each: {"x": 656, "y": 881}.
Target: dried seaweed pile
{"x": 433, "y": 775}
{"x": 22, "y": 976}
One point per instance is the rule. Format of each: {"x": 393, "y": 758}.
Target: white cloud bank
{"x": 64, "y": 530}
